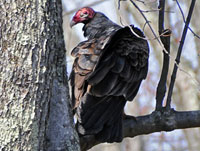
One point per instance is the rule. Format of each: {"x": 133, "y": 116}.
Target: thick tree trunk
{"x": 34, "y": 100}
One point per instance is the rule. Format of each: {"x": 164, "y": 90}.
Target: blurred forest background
{"x": 186, "y": 95}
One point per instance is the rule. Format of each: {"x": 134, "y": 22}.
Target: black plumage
{"x": 108, "y": 70}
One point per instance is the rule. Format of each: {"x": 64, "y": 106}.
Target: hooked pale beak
{"x": 72, "y": 23}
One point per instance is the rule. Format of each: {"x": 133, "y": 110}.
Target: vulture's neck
{"x": 99, "y": 26}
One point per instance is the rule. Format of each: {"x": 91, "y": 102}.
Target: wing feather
{"x": 105, "y": 86}
{"x": 119, "y": 65}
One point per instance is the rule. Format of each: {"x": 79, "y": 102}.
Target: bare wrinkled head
{"x": 83, "y": 15}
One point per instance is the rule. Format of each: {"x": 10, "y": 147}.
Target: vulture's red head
{"x": 83, "y": 15}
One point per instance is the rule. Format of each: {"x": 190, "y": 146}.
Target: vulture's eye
{"x": 83, "y": 15}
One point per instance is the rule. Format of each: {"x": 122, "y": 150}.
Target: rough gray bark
{"x": 34, "y": 100}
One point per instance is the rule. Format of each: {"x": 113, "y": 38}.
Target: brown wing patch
{"x": 86, "y": 55}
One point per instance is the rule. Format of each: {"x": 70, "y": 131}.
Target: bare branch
{"x": 147, "y": 22}
{"x": 161, "y": 88}
{"x": 141, "y": 1}
{"x": 155, "y": 10}
{"x": 161, "y": 7}
{"x": 184, "y": 19}
{"x": 165, "y": 120}
{"x": 173, "y": 76}
{"x": 162, "y": 85}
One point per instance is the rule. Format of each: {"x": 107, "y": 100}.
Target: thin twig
{"x": 173, "y": 76}
{"x": 145, "y": 20}
{"x": 196, "y": 35}
{"x": 141, "y": 1}
{"x": 148, "y": 23}
{"x": 145, "y": 2}
{"x": 155, "y": 10}
{"x": 149, "y": 11}
{"x": 124, "y": 23}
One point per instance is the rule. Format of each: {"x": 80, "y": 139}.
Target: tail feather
{"x": 113, "y": 130}
{"x": 102, "y": 117}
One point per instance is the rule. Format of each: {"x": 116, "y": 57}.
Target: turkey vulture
{"x": 108, "y": 70}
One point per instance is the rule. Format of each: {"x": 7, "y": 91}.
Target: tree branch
{"x": 161, "y": 17}
{"x": 165, "y": 39}
{"x": 148, "y": 23}
{"x": 196, "y": 35}
{"x": 162, "y": 85}
{"x": 165, "y": 120}
{"x": 173, "y": 76}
